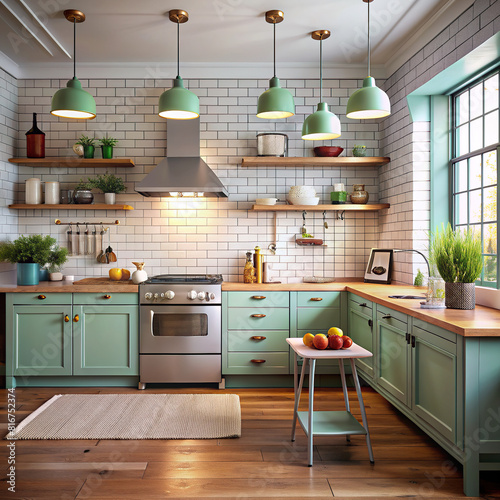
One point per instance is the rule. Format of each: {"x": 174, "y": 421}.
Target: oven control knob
{"x": 155, "y": 296}
{"x": 162, "y": 296}
{"x": 201, "y": 295}
{"x": 148, "y": 295}
{"x": 212, "y": 296}
{"x": 169, "y": 294}
{"x": 192, "y": 295}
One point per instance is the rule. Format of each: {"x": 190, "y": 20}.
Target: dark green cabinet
{"x": 360, "y": 329}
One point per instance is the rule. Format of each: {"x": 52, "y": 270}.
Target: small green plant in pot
{"x": 88, "y": 144}
{"x": 29, "y": 253}
{"x": 110, "y": 185}
{"x": 83, "y": 193}
{"x": 107, "y": 144}
{"x": 57, "y": 257}
{"x": 458, "y": 258}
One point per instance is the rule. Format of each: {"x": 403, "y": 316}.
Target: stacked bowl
{"x": 302, "y": 195}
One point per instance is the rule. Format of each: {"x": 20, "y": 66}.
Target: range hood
{"x": 182, "y": 172}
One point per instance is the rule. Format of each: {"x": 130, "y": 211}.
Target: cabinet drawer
{"x": 318, "y": 299}
{"x": 436, "y": 330}
{"x": 356, "y": 299}
{"x": 263, "y": 341}
{"x": 105, "y": 298}
{"x": 41, "y": 298}
{"x": 392, "y": 317}
{"x": 258, "y": 299}
{"x": 258, "y": 318}
{"x": 364, "y": 307}
{"x": 317, "y": 319}
{"x": 264, "y": 363}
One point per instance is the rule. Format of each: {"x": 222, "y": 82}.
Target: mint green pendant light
{"x": 73, "y": 101}
{"x": 369, "y": 101}
{"x": 322, "y": 125}
{"x": 275, "y": 102}
{"x": 178, "y": 102}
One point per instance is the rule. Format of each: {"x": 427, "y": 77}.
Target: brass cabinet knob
{"x": 258, "y": 297}
{"x": 76, "y": 319}
{"x": 66, "y": 318}
{"x": 316, "y": 299}
{"x": 258, "y": 315}
{"x": 106, "y": 296}
{"x": 41, "y": 297}
{"x": 257, "y": 337}
{"x": 258, "y": 361}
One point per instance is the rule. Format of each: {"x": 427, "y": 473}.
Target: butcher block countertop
{"x": 86, "y": 285}
{"x": 479, "y": 322}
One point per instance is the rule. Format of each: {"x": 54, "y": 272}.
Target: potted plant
{"x": 29, "y": 253}
{"x": 88, "y": 144}
{"x": 110, "y": 185}
{"x": 107, "y": 144}
{"x": 458, "y": 258}
{"x": 82, "y": 193}
{"x": 359, "y": 150}
{"x": 57, "y": 257}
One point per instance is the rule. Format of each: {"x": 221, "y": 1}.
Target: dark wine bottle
{"x": 35, "y": 141}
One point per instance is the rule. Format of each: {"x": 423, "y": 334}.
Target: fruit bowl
{"x": 328, "y": 151}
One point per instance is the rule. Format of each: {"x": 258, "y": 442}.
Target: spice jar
{"x": 249, "y": 270}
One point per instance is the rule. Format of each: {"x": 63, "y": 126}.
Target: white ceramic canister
{"x": 338, "y": 187}
{"x": 52, "y": 193}
{"x": 33, "y": 191}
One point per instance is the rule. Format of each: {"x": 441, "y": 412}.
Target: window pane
{"x": 490, "y": 238}
{"x": 462, "y": 108}
{"x": 460, "y": 176}
{"x": 461, "y": 208}
{"x": 475, "y": 206}
{"x": 490, "y": 168}
{"x": 490, "y": 269}
{"x": 476, "y": 134}
{"x": 462, "y": 140}
{"x": 491, "y": 93}
{"x": 475, "y": 172}
{"x": 491, "y": 128}
{"x": 476, "y": 101}
{"x": 490, "y": 204}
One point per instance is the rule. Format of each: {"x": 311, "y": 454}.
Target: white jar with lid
{"x": 52, "y": 193}
{"x": 33, "y": 191}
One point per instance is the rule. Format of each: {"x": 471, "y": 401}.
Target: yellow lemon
{"x": 334, "y": 330}
{"x": 308, "y": 339}
{"x": 115, "y": 274}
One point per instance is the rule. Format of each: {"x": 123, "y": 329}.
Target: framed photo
{"x": 379, "y": 267}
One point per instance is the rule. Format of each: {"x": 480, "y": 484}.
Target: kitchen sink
{"x": 406, "y": 297}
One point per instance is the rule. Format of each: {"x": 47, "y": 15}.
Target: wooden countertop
{"x": 86, "y": 285}
{"x": 479, "y": 322}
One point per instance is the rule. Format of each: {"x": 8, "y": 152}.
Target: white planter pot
{"x": 109, "y": 198}
{"x": 55, "y": 276}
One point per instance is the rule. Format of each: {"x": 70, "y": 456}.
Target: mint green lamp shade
{"x": 73, "y": 102}
{"x": 179, "y": 103}
{"x": 322, "y": 125}
{"x": 368, "y": 102}
{"x": 276, "y": 102}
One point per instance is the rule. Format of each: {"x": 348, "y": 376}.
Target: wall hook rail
{"x": 58, "y": 222}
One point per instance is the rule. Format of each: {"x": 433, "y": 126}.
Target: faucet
{"x": 420, "y": 253}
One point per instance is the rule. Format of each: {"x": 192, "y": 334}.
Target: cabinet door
{"x": 106, "y": 340}
{"x": 434, "y": 381}
{"x": 41, "y": 340}
{"x": 392, "y": 363}
{"x": 361, "y": 331}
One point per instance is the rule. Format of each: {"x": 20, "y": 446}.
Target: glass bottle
{"x": 35, "y": 141}
{"x": 249, "y": 270}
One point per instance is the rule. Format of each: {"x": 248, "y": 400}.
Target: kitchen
{"x": 208, "y": 235}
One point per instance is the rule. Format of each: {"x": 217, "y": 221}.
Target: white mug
{"x": 268, "y": 267}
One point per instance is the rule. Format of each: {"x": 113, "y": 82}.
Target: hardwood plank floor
{"x": 262, "y": 464}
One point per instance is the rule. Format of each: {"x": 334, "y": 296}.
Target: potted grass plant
{"x": 88, "y": 144}
{"x": 107, "y": 144}
{"x": 110, "y": 185}
{"x": 29, "y": 253}
{"x": 458, "y": 258}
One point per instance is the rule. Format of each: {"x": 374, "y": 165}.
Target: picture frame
{"x": 379, "y": 267}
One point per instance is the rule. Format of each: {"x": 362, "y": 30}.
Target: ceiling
{"x": 222, "y": 37}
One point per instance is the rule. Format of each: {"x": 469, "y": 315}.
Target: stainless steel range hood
{"x": 182, "y": 172}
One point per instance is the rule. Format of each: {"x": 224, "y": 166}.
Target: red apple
{"x": 335, "y": 342}
{"x": 347, "y": 342}
{"x": 320, "y": 341}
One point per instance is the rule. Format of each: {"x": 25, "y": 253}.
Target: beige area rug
{"x": 133, "y": 416}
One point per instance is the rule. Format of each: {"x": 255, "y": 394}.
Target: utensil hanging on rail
{"x": 69, "y": 240}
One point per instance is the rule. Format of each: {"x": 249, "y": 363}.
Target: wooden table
{"x": 327, "y": 423}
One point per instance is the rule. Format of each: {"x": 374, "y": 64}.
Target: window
{"x": 474, "y": 167}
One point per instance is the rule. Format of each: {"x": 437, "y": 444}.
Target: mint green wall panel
{"x": 317, "y": 318}
{"x": 253, "y": 299}
{"x": 244, "y": 318}
{"x": 105, "y": 298}
{"x": 41, "y": 340}
{"x": 37, "y": 299}
{"x": 241, "y": 340}
{"x": 328, "y": 299}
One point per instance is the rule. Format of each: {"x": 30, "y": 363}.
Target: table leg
{"x": 297, "y": 393}
{"x": 312, "y": 367}
{"x": 344, "y": 388}
{"x": 362, "y": 407}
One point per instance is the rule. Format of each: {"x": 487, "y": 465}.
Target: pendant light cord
{"x": 369, "y": 62}
{"x": 74, "y": 48}
{"x": 274, "y": 48}
{"x": 178, "y": 50}
{"x": 321, "y": 69}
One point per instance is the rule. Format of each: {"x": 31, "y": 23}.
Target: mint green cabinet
{"x": 360, "y": 329}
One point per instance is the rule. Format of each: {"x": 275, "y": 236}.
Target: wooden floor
{"x": 262, "y": 464}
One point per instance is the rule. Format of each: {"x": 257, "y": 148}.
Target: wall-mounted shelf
{"x": 339, "y": 161}
{"x": 320, "y": 208}
{"x": 71, "y": 206}
{"x": 61, "y": 161}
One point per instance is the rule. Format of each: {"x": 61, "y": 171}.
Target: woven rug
{"x": 133, "y": 416}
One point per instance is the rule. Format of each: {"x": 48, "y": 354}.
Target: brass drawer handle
{"x": 258, "y": 297}
{"x": 66, "y": 318}
{"x": 258, "y": 361}
{"x": 257, "y": 337}
{"x": 316, "y": 299}
{"x": 42, "y": 297}
{"x": 106, "y": 296}
{"x": 258, "y": 315}
{"x": 76, "y": 319}
{"x": 386, "y": 316}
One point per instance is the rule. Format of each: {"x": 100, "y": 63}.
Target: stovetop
{"x": 209, "y": 279}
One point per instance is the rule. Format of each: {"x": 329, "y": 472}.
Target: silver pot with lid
{"x": 272, "y": 144}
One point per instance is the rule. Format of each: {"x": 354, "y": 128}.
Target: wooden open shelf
{"x": 62, "y": 161}
{"x": 340, "y": 161}
{"x": 71, "y": 206}
{"x": 320, "y": 208}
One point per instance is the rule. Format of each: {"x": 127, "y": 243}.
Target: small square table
{"x": 327, "y": 423}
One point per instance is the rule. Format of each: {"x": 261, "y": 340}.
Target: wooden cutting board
{"x": 101, "y": 281}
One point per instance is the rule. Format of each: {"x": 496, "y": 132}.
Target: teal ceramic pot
{"x": 338, "y": 197}
{"x": 43, "y": 275}
{"x": 88, "y": 151}
{"x": 107, "y": 152}
{"x": 28, "y": 274}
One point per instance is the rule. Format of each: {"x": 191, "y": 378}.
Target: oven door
{"x": 181, "y": 329}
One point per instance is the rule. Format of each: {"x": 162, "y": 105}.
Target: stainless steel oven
{"x": 180, "y": 329}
